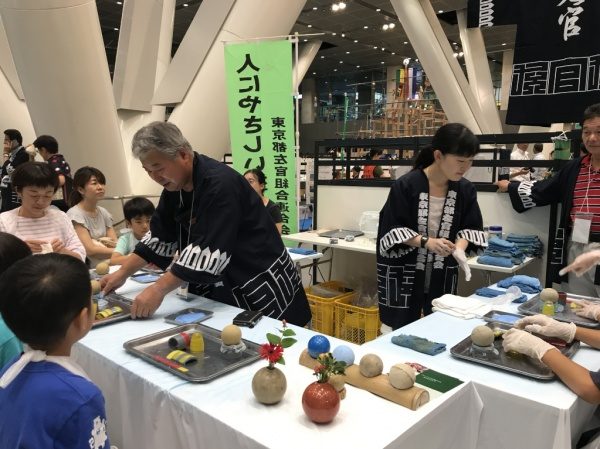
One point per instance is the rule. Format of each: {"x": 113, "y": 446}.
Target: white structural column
{"x": 155, "y": 16}
{"x": 197, "y": 42}
{"x": 202, "y": 115}
{"x": 435, "y": 54}
{"x": 60, "y": 58}
{"x": 7, "y": 64}
{"x": 508, "y": 57}
{"x": 309, "y": 101}
{"x": 478, "y": 71}
{"x": 306, "y": 55}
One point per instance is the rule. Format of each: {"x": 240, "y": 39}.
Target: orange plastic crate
{"x": 355, "y": 324}
{"x": 322, "y": 309}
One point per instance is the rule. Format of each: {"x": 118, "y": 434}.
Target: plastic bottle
{"x": 548, "y": 308}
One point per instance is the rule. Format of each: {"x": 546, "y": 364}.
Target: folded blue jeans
{"x": 495, "y": 261}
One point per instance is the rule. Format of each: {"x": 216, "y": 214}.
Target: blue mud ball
{"x": 318, "y": 345}
{"x": 344, "y": 353}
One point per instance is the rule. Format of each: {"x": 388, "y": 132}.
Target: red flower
{"x": 270, "y": 352}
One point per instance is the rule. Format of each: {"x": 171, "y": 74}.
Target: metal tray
{"x": 496, "y": 316}
{"x": 115, "y": 299}
{"x": 520, "y": 364}
{"x": 534, "y": 306}
{"x": 173, "y": 318}
{"x": 212, "y": 365}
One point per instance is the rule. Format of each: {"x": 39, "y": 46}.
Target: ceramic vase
{"x": 321, "y": 402}
{"x": 269, "y": 385}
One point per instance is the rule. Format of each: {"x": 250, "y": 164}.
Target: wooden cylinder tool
{"x": 411, "y": 398}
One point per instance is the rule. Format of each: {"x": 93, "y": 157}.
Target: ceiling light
{"x": 455, "y": 54}
{"x": 347, "y": 52}
{"x": 335, "y": 7}
{"x": 185, "y": 5}
{"x": 416, "y": 60}
{"x": 382, "y": 49}
{"x": 393, "y": 52}
{"x": 314, "y": 73}
{"x": 441, "y": 11}
{"x": 322, "y": 57}
{"x": 355, "y": 41}
{"x": 305, "y": 40}
{"x": 392, "y": 26}
{"x": 342, "y": 5}
{"x": 335, "y": 70}
{"x": 309, "y": 26}
{"x": 366, "y": 27}
{"x": 461, "y": 54}
{"x": 334, "y": 34}
{"x": 385, "y": 27}
{"x": 119, "y": 3}
{"x": 405, "y": 42}
{"x": 341, "y": 62}
{"x": 371, "y": 83}
{"x": 375, "y": 48}
{"x": 116, "y": 29}
{"x": 406, "y": 61}
{"x": 503, "y": 43}
{"x": 378, "y": 9}
{"x": 343, "y": 35}
{"x": 358, "y": 67}
{"x": 315, "y": 8}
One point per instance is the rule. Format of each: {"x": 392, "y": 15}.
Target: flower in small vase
{"x": 328, "y": 366}
{"x": 273, "y": 350}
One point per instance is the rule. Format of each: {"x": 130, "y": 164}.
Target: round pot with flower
{"x": 320, "y": 400}
{"x": 269, "y": 383}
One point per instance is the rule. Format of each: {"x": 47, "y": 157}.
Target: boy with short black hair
{"x": 46, "y": 399}
{"x": 47, "y": 146}
{"x": 138, "y": 212}
{"x": 15, "y": 155}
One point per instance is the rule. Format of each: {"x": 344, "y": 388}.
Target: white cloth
{"x": 539, "y": 172}
{"x": 460, "y": 307}
{"x": 519, "y": 155}
{"x": 33, "y": 355}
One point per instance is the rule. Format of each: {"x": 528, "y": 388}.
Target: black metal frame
{"x": 417, "y": 143}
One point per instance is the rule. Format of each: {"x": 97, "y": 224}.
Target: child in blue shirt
{"x": 138, "y": 212}
{"x": 46, "y": 399}
{"x": 11, "y": 249}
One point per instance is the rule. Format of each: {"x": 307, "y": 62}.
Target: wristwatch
{"x": 424, "y": 241}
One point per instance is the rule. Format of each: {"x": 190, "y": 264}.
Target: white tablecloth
{"x": 151, "y": 408}
{"x": 519, "y": 412}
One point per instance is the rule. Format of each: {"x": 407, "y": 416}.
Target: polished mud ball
{"x": 344, "y": 353}
{"x": 371, "y": 365}
{"x": 482, "y": 336}
{"x": 318, "y": 344}
{"x": 231, "y": 335}
{"x": 402, "y": 376}
{"x": 102, "y": 268}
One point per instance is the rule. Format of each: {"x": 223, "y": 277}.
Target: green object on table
{"x": 437, "y": 381}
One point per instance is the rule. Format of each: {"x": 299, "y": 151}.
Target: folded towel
{"x": 495, "y": 241}
{"x": 516, "y": 237}
{"x": 495, "y": 261}
{"x": 460, "y": 307}
{"x": 527, "y": 284}
{"x": 489, "y": 292}
{"x": 302, "y": 251}
{"x": 419, "y": 344}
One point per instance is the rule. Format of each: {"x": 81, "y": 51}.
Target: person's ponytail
{"x": 424, "y": 158}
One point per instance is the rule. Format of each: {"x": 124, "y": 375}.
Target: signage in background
{"x": 261, "y": 118}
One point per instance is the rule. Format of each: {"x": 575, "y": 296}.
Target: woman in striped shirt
{"x": 43, "y": 227}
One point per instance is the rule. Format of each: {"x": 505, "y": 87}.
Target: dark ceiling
{"x": 353, "y": 39}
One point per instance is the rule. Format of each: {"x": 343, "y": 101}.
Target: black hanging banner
{"x": 556, "y": 67}
{"x": 489, "y": 13}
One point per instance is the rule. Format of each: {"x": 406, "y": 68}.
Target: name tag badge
{"x": 581, "y": 228}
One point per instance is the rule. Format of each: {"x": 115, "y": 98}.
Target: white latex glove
{"x": 460, "y": 256}
{"x": 525, "y": 343}
{"x": 582, "y": 263}
{"x": 549, "y": 327}
{"x": 588, "y": 309}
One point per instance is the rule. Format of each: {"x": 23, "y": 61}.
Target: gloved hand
{"x": 544, "y": 325}
{"x": 588, "y": 309}
{"x": 460, "y": 256}
{"x": 525, "y": 343}
{"x": 582, "y": 263}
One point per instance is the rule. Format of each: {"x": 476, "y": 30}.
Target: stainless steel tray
{"x": 178, "y": 318}
{"x": 520, "y": 364}
{"x": 115, "y": 299}
{"x": 534, "y": 306}
{"x": 210, "y": 364}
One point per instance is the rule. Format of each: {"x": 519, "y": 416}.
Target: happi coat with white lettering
{"x": 401, "y": 268}
{"x": 556, "y": 189}
{"x": 229, "y": 248}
